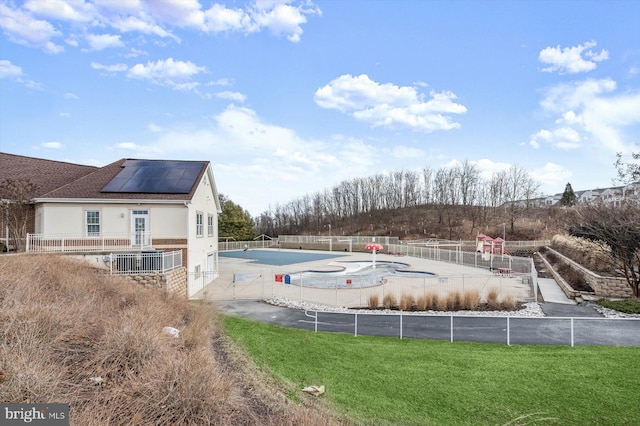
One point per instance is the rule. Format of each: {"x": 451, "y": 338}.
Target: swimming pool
{"x": 353, "y": 274}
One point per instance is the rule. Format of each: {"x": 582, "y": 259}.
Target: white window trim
{"x": 87, "y": 224}
{"x": 210, "y": 223}
{"x": 199, "y": 224}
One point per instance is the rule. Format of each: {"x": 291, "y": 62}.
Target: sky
{"x": 288, "y": 98}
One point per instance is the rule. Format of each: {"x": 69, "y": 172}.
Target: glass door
{"x": 140, "y": 236}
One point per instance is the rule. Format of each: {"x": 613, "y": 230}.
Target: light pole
{"x": 504, "y": 231}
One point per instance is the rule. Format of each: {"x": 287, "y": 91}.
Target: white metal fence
{"x": 353, "y": 292}
{"x": 105, "y": 242}
{"x": 145, "y": 262}
{"x": 571, "y": 331}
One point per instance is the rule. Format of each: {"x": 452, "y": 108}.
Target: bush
{"x": 407, "y": 302}
{"x": 374, "y": 301}
{"x": 470, "y": 300}
{"x": 493, "y": 301}
{"x": 453, "y": 301}
{"x": 389, "y": 301}
{"x": 509, "y": 302}
{"x": 421, "y": 303}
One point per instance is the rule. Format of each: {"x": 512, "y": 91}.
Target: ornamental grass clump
{"x": 470, "y": 300}
{"x": 374, "y": 301}
{"x": 407, "y": 302}
{"x": 453, "y": 300}
{"x": 509, "y": 302}
{"x": 421, "y": 303}
{"x": 493, "y": 298}
{"x": 389, "y": 301}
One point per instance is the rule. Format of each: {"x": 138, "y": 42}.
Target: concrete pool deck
{"x": 242, "y": 276}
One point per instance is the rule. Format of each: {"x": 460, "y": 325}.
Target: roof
{"x": 72, "y": 181}
{"x": 47, "y": 175}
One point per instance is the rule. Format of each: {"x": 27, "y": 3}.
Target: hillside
{"x": 445, "y": 222}
{"x": 71, "y": 334}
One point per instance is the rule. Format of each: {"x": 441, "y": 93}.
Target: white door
{"x": 140, "y": 236}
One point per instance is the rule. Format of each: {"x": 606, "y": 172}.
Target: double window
{"x": 92, "y": 223}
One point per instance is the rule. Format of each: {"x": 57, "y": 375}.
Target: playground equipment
{"x": 488, "y": 246}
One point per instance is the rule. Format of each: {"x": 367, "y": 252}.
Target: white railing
{"x": 81, "y": 243}
{"x": 144, "y": 262}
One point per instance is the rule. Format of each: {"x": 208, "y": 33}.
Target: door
{"x": 140, "y": 236}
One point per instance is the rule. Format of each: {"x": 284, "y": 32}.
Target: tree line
{"x": 447, "y": 187}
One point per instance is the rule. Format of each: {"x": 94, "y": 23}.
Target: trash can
{"x": 287, "y": 279}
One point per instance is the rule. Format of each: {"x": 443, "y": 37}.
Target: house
{"x": 147, "y": 204}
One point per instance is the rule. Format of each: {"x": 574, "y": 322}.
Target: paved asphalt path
{"x": 589, "y": 327}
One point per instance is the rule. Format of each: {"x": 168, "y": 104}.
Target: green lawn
{"x": 421, "y": 382}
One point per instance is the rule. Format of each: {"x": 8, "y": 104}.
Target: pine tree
{"x": 235, "y": 222}
{"x": 568, "y": 197}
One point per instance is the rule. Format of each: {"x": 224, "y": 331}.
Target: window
{"x": 210, "y": 225}
{"x": 197, "y": 271}
{"x": 199, "y": 224}
{"x": 92, "y": 223}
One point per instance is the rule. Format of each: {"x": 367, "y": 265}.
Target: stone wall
{"x": 601, "y": 285}
{"x": 174, "y": 281}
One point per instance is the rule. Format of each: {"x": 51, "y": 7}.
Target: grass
{"x": 629, "y": 306}
{"x": 63, "y": 325}
{"x": 420, "y": 382}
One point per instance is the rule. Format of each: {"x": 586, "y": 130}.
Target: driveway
{"x": 564, "y": 325}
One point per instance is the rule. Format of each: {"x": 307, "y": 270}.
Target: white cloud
{"x": 71, "y": 11}
{"x": 36, "y": 22}
{"x": 551, "y": 175}
{"x": 109, "y": 68}
{"x": 104, "y": 41}
{"x": 70, "y": 95}
{"x": 167, "y": 71}
{"x": 52, "y": 145}
{"x": 281, "y": 18}
{"x": 232, "y": 96}
{"x": 590, "y": 111}
{"x": 8, "y": 70}
{"x": 570, "y": 59}
{"x": 389, "y": 105}
{"x": 219, "y": 18}
{"x": 565, "y": 138}
{"x": 14, "y": 72}
{"x": 23, "y": 29}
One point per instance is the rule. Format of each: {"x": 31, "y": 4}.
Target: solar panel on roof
{"x": 155, "y": 177}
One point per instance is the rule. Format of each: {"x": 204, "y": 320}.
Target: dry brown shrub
{"x": 431, "y": 300}
{"x": 453, "y": 300}
{"x": 64, "y": 324}
{"x": 389, "y": 301}
{"x": 509, "y": 302}
{"x": 407, "y": 302}
{"x": 493, "y": 298}
{"x": 422, "y": 303}
{"x": 470, "y": 300}
{"x": 440, "y": 303}
{"x": 374, "y": 301}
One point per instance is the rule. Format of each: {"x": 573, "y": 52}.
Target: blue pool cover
{"x": 277, "y": 257}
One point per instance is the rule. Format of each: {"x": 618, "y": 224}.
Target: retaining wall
{"x": 174, "y": 281}
{"x": 601, "y": 285}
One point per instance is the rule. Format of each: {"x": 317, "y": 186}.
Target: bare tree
{"x": 519, "y": 190}
{"x": 618, "y": 226}
{"x": 17, "y": 198}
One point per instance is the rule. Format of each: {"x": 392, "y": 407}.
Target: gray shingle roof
{"x": 58, "y": 180}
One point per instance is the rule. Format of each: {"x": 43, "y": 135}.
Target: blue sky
{"x": 287, "y": 98}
